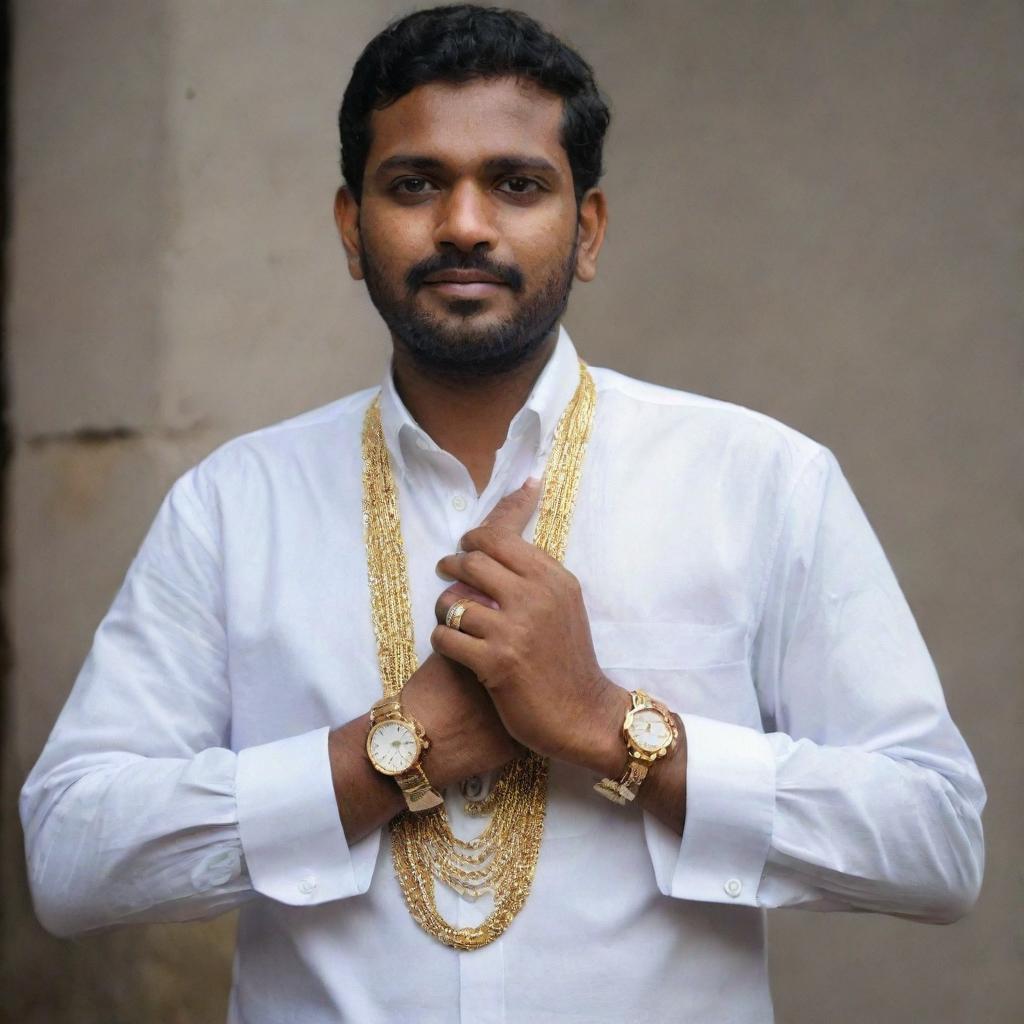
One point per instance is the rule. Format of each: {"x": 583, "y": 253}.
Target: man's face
{"x": 468, "y": 226}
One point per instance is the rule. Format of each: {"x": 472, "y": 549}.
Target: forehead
{"x": 464, "y": 123}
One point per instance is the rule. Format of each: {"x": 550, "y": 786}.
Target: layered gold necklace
{"x": 502, "y": 860}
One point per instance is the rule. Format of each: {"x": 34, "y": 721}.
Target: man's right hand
{"x": 466, "y": 735}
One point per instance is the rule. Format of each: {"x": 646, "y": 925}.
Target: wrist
{"x": 603, "y": 750}
{"x": 436, "y": 759}
{"x": 365, "y": 798}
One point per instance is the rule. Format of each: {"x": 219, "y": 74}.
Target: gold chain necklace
{"x": 502, "y": 860}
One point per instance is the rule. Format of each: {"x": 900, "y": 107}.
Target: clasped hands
{"x": 526, "y": 638}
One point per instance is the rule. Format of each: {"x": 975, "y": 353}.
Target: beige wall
{"x": 816, "y": 211}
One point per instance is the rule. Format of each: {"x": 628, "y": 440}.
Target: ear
{"x": 346, "y": 216}
{"x": 593, "y": 220}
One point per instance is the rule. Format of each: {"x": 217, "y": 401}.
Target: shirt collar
{"x": 407, "y": 440}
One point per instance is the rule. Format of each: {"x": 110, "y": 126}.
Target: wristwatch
{"x": 395, "y": 745}
{"x": 650, "y": 732}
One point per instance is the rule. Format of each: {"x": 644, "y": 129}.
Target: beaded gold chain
{"x": 502, "y": 860}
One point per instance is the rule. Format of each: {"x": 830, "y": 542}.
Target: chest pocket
{"x": 693, "y": 668}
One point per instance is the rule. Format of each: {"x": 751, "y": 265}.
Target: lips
{"x": 462, "y": 277}
{"x": 464, "y": 283}
{"x": 470, "y": 278}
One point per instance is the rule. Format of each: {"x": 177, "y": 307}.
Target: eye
{"x": 520, "y": 186}
{"x": 411, "y": 186}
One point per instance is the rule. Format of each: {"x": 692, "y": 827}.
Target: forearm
{"x": 603, "y": 753}
{"x": 465, "y": 738}
{"x": 366, "y": 799}
{"x": 114, "y": 837}
{"x": 663, "y": 792}
{"x": 126, "y": 838}
{"x": 772, "y": 821}
{"x": 873, "y": 830}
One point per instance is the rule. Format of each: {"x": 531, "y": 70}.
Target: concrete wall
{"x": 816, "y": 211}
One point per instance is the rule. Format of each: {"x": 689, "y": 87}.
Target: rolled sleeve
{"x": 294, "y": 844}
{"x": 730, "y": 807}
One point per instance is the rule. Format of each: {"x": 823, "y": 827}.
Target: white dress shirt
{"x": 727, "y": 569}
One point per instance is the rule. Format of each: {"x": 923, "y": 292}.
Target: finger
{"x": 450, "y": 595}
{"x": 483, "y": 573}
{"x": 514, "y": 510}
{"x": 477, "y": 620}
{"x": 511, "y": 550}
{"x": 461, "y": 647}
{"x": 460, "y": 592}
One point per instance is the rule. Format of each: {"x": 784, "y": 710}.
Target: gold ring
{"x": 453, "y": 620}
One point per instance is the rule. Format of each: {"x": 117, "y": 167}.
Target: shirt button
{"x": 308, "y": 884}
{"x": 472, "y": 788}
{"x": 733, "y": 887}
{"x": 459, "y": 503}
{"x": 422, "y": 443}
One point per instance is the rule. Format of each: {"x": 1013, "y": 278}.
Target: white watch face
{"x": 649, "y": 730}
{"x": 393, "y": 747}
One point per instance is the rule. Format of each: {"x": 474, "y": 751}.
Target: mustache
{"x": 507, "y": 274}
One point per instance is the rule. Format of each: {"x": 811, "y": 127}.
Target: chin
{"x": 466, "y": 308}
{"x": 496, "y": 308}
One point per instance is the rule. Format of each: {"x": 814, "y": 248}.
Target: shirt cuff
{"x": 294, "y": 844}
{"x": 730, "y": 808}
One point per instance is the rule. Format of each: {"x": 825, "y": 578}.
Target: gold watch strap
{"x": 385, "y": 707}
{"x": 419, "y": 794}
{"x": 626, "y": 788}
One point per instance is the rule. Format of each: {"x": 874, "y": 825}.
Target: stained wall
{"x": 817, "y": 211}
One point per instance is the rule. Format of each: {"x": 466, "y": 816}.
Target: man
{"x": 673, "y": 681}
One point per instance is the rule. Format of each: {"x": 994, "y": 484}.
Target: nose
{"x": 466, "y": 219}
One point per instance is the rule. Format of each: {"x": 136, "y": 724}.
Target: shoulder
{"x": 731, "y": 434}
{"x": 281, "y": 452}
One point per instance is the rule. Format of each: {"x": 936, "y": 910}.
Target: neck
{"x": 468, "y": 417}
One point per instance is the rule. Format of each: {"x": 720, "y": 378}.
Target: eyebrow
{"x": 505, "y": 164}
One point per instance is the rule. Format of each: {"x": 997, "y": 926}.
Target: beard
{"x": 457, "y": 347}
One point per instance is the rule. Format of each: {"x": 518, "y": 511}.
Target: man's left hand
{"x": 533, "y": 652}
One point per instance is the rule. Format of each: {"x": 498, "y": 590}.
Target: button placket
{"x": 481, "y": 973}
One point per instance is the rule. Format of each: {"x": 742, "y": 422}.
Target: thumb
{"x": 514, "y": 510}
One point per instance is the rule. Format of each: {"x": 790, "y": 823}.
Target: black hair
{"x": 460, "y": 43}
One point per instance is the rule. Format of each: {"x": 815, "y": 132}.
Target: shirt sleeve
{"x": 137, "y": 809}
{"x": 861, "y": 794}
